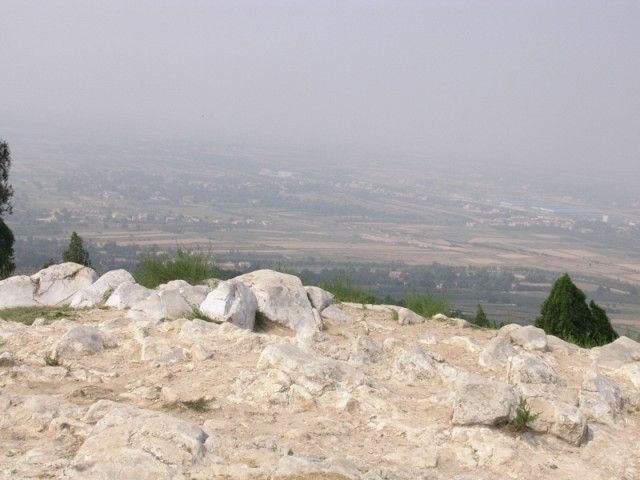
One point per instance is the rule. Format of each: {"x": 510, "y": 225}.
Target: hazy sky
{"x": 520, "y": 81}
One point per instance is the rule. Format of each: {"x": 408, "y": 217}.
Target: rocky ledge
{"x": 274, "y": 381}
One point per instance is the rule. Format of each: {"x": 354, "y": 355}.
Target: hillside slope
{"x": 129, "y": 387}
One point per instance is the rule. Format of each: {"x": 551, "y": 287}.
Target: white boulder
{"x": 482, "y": 402}
{"x": 334, "y": 314}
{"x": 56, "y": 284}
{"x": 319, "y": 298}
{"x": 414, "y": 364}
{"x": 231, "y": 302}
{"x": 194, "y": 295}
{"x": 163, "y": 305}
{"x": 530, "y": 338}
{"x": 617, "y": 353}
{"x": 127, "y": 295}
{"x": 528, "y": 368}
{"x": 17, "y": 291}
{"x": 559, "y": 419}
{"x": 496, "y": 354}
{"x": 281, "y": 299}
{"x": 600, "y": 399}
{"x": 96, "y": 294}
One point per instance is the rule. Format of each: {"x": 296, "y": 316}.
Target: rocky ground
{"x": 130, "y": 388}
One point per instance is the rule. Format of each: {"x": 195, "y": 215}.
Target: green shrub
{"x": 523, "y": 417}
{"x": 428, "y": 304}
{"x": 194, "y": 268}
{"x": 345, "y": 291}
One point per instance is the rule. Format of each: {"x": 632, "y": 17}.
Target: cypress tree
{"x": 565, "y": 314}
{"x": 603, "y": 331}
{"x": 76, "y": 252}
{"x": 7, "y": 266}
{"x": 481, "y": 318}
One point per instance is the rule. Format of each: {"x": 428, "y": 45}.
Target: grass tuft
{"x": 197, "y": 313}
{"x": 28, "y": 315}
{"x": 199, "y": 405}
{"x": 51, "y": 361}
{"x": 428, "y": 304}
{"x": 346, "y": 291}
{"x": 194, "y": 268}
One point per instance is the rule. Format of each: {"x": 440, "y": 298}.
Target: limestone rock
{"x": 319, "y": 298}
{"x": 557, "y": 345}
{"x": 56, "y": 284}
{"x": 529, "y": 368}
{"x": 408, "y": 317}
{"x": 81, "y": 340}
{"x": 32, "y": 413}
{"x": 96, "y": 294}
{"x": 631, "y": 371}
{"x": 558, "y": 418}
{"x": 366, "y": 350}
{"x": 7, "y": 360}
{"x": 17, "y": 292}
{"x": 483, "y": 403}
{"x": 414, "y": 364}
{"x": 461, "y": 323}
{"x": 316, "y": 374}
{"x": 160, "y": 351}
{"x": 281, "y": 299}
{"x": 127, "y": 295}
{"x": 194, "y": 295}
{"x": 233, "y": 302}
{"x": 509, "y": 328}
{"x": 468, "y": 343}
{"x": 530, "y": 338}
{"x": 497, "y": 354}
{"x": 334, "y": 314}
{"x": 600, "y": 399}
{"x": 163, "y": 305}
{"x": 129, "y": 442}
{"x": 270, "y": 387}
{"x": 617, "y": 353}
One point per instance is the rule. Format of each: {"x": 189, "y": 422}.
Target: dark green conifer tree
{"x": 7, "y": 266}
{"x": 603, "y": 331}
{"x": 565, "y": 314}
{"x": 76, "y": 252}
{"x": 481, "y": 318}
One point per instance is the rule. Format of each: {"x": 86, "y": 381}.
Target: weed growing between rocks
{"x": 199, "y": 405}
{"x": 523, "y": 417}
{"x": 196, "y": 313}
{"x": 27, "y": 315}
{"x": 51, "y": 361}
